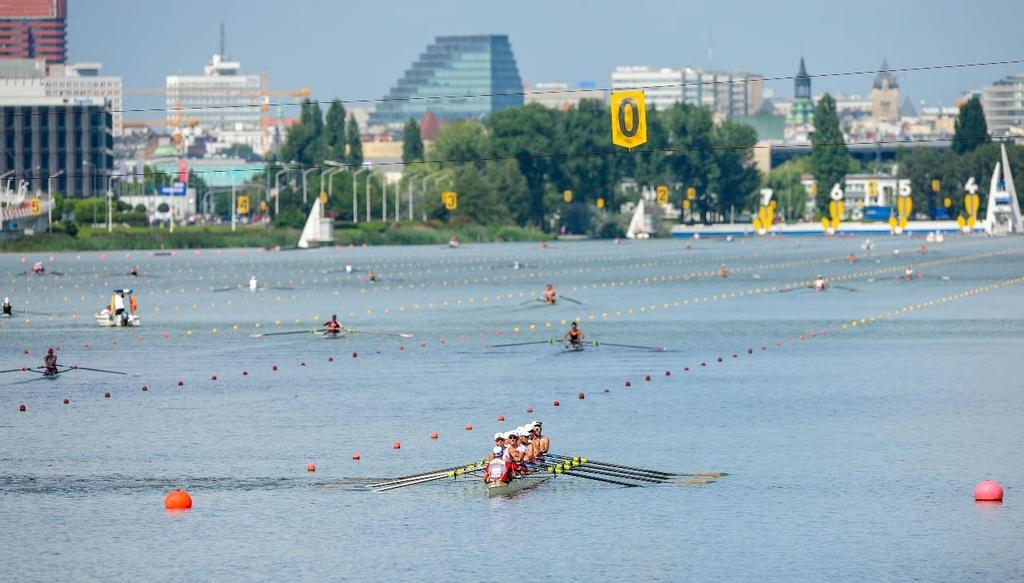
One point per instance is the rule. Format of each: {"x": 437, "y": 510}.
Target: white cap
{"x": 498, "y": 436}
{"x": 496, "y": 450}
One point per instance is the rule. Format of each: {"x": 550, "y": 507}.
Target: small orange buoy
{"x": 396, "y": 445}
{"x": 686, "y": 369}
{"x": 668, "y": 373}
{"x": 356, "y": 457}
{"x": 355, "y": 355}
{"x": 469, "y": 427}
{"x": 106, "y": 395}
{"x": 245, "y": 373}
{"x": 501, "y": 418}
{"x": 302, "y": 364}
{"x": 750, "y": 351}
{"x": 22, "y": 408}
{"x": 629, "y": 383}
{"x": 433, "y": 435}
{"x": 647, "y": 378}
{"x": 178, "y": 500}
{"x": 67, "y": 401}
{"x": 144, "y": 388}
{"x": 988, "y": 491}
{"x": 581, "y": 396}
{"x": 213, "y": 378}
{"x": 719, "y": 359}
{"x": 310, "y": 467}
{"x": 529, "y": 409}
{"x": 181, "y": 383}
{"x": 330, "y": 359}
{"x": 556, "y": 404}
{"x": 274, "y": 368}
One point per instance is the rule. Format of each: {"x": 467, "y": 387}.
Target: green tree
{"x": 412, "y": 144}
{"x": 529, "y": 135}
{"x": 692, "y": 155}
{"x": 971, "y": 130}
{"x": 354, "y": 142}
{"x": 303, "y": 142}
{"x": 583, "y": 134}
{"x": 334, "y": 131}
{"x": 789, "y": 192}
{"x": 830, "y": 159}
{"x": 737, "y": 178}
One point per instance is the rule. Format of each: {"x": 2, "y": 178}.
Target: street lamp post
{"x": 49, "y": 196}
{"x": 110, "y": 204}
{"x": 234, "y": 180}
{"x": 305, "y": 173}
{"x": 3, "y": 195}
{"x": 383, "y": 197}
{"x": 355, "y": 195}
{"x": 423, "y": 190}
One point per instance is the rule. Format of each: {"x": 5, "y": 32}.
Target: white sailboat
{"x": 317, "y": 229}
{"x": 637, "y": 229}
{"x": 1002, "y": 214}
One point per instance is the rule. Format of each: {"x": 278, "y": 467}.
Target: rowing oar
{"x": 551, "y": 341}
{"x": 15, "y": 370}
{"x": 568, "y": 299}
{"x": 654, "y": 348}
{"x": 590, "y": 461}
{"x": 558, "y": 471}
{"x": 33, "y": 313}
{"x": 789, "y": 289}
{"x": 625, "y": 472}
{"x": 530, "y": 301}
{"x": 259, "y": 335}
{"x": 421, "y": 475}
{"x": 850, "y": 289}
{"x": 96, "y": 369}
{"x": 613, "y": 473}
{"x": 395, "y": 334}
{"x": 223, "y": 289}
{"x": 413, "y": 481}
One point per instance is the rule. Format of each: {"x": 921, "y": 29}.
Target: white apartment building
{"x": 1003, "y": 102}
{"x": 726, "y": 94}
{"x": 224, "y": 102}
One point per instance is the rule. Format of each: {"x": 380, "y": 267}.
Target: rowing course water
{"x": 851, "y": 455}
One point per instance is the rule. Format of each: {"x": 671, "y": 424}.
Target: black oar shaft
{"x": 574, "y": 474}
{"x": 618, "y": 473}
{"x": 596, "y": 462}
{"x": 98, "y": 370}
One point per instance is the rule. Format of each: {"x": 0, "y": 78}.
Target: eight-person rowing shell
{"x": 514, "y": 450}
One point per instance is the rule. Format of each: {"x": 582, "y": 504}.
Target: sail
{"x": 636, "y": 224}
{"x": 311, "y": 231}
{"x": 1015, "y": 216}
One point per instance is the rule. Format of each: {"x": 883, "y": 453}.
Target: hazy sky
{"x": 359, "y": 49}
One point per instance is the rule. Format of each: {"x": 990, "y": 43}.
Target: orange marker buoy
{"x": 274, "y": 368}
{"x": 469, "y": 427}
{"x": 529, "y": 409}
{"x": 144, "y": 388}
{"x": 396, "y": 445}
{"x": 647, "y": 378}
{"x": 433, "y": 435}
{"x": 213, "y": 378}
{"x": 245, "y": 373}
{"x": 501, "y": 418}
{"x": 988, "y": 491}
{"x": 629, "y": 383}
{"x": 302, "y": 364}
{"x": 355, "y": 354}
{"x": 750, "y": 351}
{"x": 356, "y": 457}
{"x": 719, "y": 359}
{"x": 330, "y": 359}
{"x": 181, "y": 383}
{"x": 668, "y": 373}
{"x": 686, "y": 369}
{"x": 581, "y": 396}
{"x": 106, "y": 395}
{"x": 22, "y": 408}
{"x": 310, "y": 467}
{"x": 556, "y": 404}
{"x": 178, "y": 500}
{"x": 67, "y": 401}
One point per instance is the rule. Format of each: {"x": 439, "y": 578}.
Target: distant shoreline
{"x": 221, "y": 237}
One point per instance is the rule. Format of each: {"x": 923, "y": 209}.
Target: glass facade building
{"x": 458, "y": 77}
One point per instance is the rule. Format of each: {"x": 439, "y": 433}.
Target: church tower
{"x": 885, "y": 96}
{"x": 802, "y": 111}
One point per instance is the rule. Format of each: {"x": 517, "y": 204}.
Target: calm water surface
{"x": 852, "y": 455}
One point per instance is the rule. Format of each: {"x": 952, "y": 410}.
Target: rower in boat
{"x": 574, "y": 337}
{"x": 372, "y": 276}
{"x": 134, "y": 272}
{"x": 922, "y": 249}
{"x": 50, "y": 363}
{"x": 539, "y": 441}
{"x": 550, "y": 295}
{"x": 8, "y": 309}
{"x": 38, "y": 268}
{"x": 453, "y": 243}
{"x": 497, "y": 466}
{"x": 333, "y": 327}
{"x": 516, "y": 265}
{"x": 723, "y": 271}
{"x": 348, "y": 268}
{"x": 908, "y": 273}
{"x": 852, "y": 258}
{"x": 820, "y": 284}
{"x": 253, "y": 284}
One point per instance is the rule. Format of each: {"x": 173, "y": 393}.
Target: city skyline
{"x": 569, "y": 44}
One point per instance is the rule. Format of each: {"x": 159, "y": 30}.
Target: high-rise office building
{"x": 470, "y": 77}
{"x": 1003, "y": 103}
{"x": 45, "y": 136}
{"x": 31, "y": 77}
{"x": 32, "y": 29}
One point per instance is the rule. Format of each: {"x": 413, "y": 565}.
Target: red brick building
{"x": 31, "y": 29}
